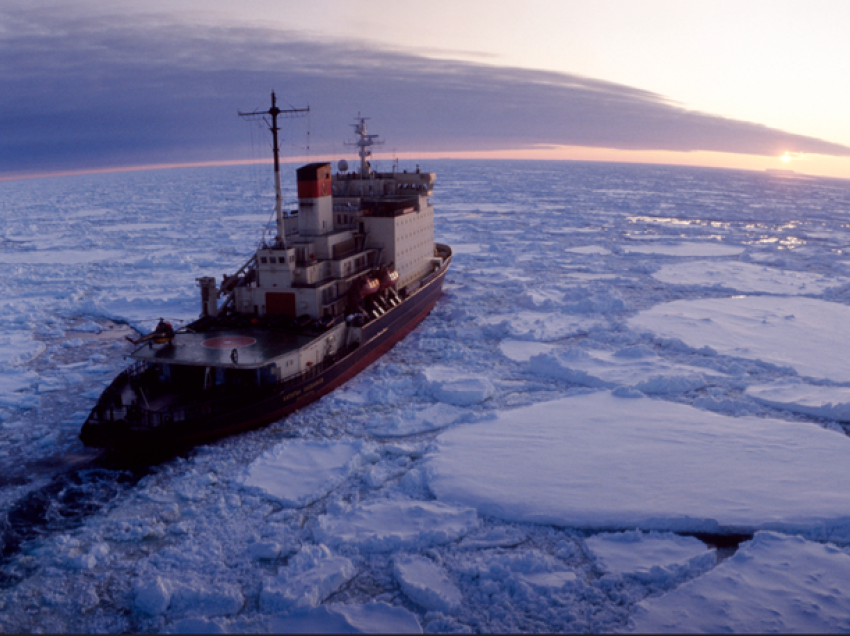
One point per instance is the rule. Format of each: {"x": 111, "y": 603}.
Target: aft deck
{"x": 254, "y": 348}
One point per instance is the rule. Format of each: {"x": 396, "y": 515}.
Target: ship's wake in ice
{"x": 631, "y": 370}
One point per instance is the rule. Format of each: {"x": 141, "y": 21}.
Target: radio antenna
{"x": 274, "y": 112}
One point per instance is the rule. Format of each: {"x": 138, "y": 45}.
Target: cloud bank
{"x": 85, "y": 91}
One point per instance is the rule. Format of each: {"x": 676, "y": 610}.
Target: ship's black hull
{"x": 217, "y": 418}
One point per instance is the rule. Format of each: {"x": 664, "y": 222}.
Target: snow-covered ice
{"x": 310, "y": 577}
{"x": 452, "y": 387}
{"x": 649, "y": 556}
{"x": 637, "y": 366}
{"x": 16, "y": 350}
{"x": 600, "y": 461}
{"x": 827, "y": 402}
{"x": 370, "y": 618}
{"x": 685, "y": 249}
{"x": 426, "y": 584}
{"x": 385, "y": 526}
{"x": 300, "y": 471}
{"x": 747, "y": 278}
{"x": 523, "y": 572}
{"x": 152, "y": 597}
{"x": 531, "y": 325}
{"x": 410, "y": 421}
{"x": 523, "y": 350}
{"x": 621, "y": 354}
{"x": 773, "y": 584}
{"x": 800, "y": 333}
{"x": 588, "y": 249}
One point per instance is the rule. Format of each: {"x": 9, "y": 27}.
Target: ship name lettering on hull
{"x": 313, "y": 385}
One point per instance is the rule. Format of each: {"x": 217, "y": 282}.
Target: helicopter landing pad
{"x": 228, "y": 342}
{"x": 215, "y": 349}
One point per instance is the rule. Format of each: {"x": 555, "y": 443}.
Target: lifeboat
{"x": 387, "y": 277}
{"x": 369, "y": 286}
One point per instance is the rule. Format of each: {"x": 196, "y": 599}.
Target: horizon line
{"x": 829, "y": 167}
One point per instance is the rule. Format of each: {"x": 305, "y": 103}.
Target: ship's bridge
{"x": 376, "y": 184}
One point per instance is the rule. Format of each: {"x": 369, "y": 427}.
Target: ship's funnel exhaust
{"x": 315, "y": 200}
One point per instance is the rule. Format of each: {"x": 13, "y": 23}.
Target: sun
{"x": 786, "y": 158}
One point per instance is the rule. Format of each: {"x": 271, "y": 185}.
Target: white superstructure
{"x": 349, "y": 229}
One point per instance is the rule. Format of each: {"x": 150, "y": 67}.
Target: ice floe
{"x": 523, "y": 350}
{"x": 521, "y": 570}
{"x": 383, "y": 526}
{"x": 773, "y": 584}
{"x": 297, "y": 472}
{"x": 337, "y": 618}
{"x": 588, "y": 249}
{"x": 651, "y": 556}
{"x": 410, "y": 421}
{"x": 426, "y": 584}
{"x": 685, "y": 249}
{"x": 152, "y": 596}
{"x": 746, "y": 278}
{"x": 529, "y": 325}
{"x": 827, "y": 402}
{"x": 18, "y": 349}
{"x": 599, "y": 461}
{"x": 455, "y": 387}
{"x": 781, "y": 330}
{"x": 196, "y": 626}
{"x": 310, "y": 577}
{"x": 637, "y": 366}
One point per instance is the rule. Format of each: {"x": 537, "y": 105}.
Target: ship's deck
{"x": 255, "y": 348}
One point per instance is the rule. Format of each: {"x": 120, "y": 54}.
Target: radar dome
{"x": 343, "y": 165}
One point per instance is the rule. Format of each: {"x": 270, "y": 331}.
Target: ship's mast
{"x": 363, "y": 142}
{"x": 274, "y": 112}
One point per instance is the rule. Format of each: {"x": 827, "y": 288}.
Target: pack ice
{"x": 626, "y": 413}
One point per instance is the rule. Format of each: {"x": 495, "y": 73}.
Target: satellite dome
{"x": 343, "y": 165}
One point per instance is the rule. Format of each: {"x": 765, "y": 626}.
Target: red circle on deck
{"x": 228, "y": 342}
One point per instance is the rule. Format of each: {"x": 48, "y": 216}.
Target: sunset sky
{"x": 109, "y": 84}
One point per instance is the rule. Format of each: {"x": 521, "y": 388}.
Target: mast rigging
{"x": 274, "y": 112}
